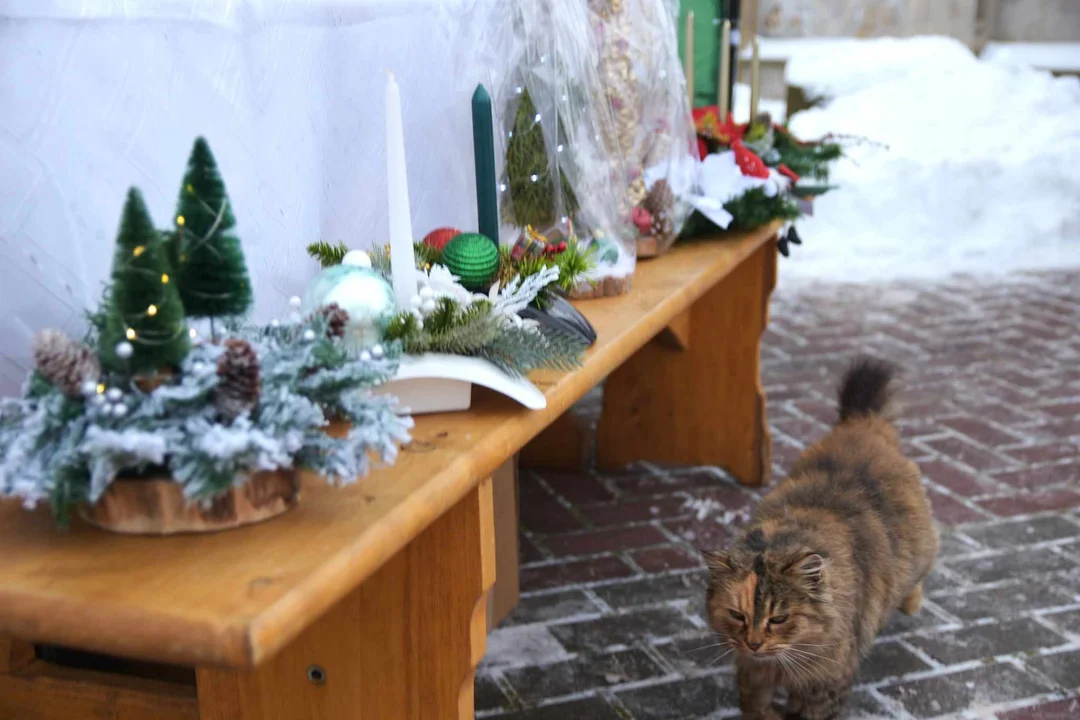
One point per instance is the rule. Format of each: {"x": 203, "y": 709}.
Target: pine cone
{"x": 660, "y": 202}
{"x": 238, "y": 380}
{"x": 64, "y": 362}
{"x": 336, "y": 319}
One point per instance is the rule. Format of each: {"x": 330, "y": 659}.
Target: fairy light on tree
{"x": 532, "y": 198}
{"x": 145, "y": 329}
{"x": 207, "y": 257}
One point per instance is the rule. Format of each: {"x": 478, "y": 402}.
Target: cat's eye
{"x": 778, "y": 620}
{"x": 735, "y": 615}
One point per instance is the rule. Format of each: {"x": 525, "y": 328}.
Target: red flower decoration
{"x": 788, "y": 173}
{"x": 642, "y": 219}
{"x": 702, "y": 148}
{"x": 707, "y": 122}
{"x": 748, "y": 161}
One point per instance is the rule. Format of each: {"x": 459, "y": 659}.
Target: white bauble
{"x": 368, "y": 299}
{"x": 357, "y": 258}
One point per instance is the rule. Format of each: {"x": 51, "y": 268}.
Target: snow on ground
{"x": 972, "y": 166}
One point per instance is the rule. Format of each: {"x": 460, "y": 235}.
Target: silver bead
{"x": 365, "y": 356}
{"x": 119, "y": 410}
{"x": 198, "y": 367}
{"x": 377, "y": 351}
{"x": 88, "y": 387}
{"x": 124, "y": 350}
{"x": 114, "y": 394}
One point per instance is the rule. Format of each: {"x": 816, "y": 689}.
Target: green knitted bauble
{"x": 473, "y": 258}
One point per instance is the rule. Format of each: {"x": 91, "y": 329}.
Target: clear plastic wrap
{"x": 645, "y": 85}
{"x": 560, "y": 173}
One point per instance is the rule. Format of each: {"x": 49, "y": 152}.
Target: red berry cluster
{"x": 555, "y": 249}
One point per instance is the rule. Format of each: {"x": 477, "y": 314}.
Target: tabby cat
{"x": 829, "y": 554}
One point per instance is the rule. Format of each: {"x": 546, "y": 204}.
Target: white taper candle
{"x": 402, "y": 259}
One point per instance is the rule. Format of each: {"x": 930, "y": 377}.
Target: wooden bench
{"x": 369, "y": 601}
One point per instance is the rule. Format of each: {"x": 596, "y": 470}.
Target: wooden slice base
{"x": 158, "y": 506}
{"x": 605, "y": 287}
{"x": 649, "y": 246}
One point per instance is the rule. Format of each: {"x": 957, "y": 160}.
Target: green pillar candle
{"x": 487, "y": 201}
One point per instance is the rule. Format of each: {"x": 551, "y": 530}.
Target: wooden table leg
{"x": 506, "y": 593}
{"x": 403, "y": 646}
{"x": 693, "y": 396}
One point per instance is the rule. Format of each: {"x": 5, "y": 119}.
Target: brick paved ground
{"x": 611, "y": 624}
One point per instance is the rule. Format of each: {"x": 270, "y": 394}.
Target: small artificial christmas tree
{"x": 531, "y": 198}
{"x": 212, "y": 274}
{"x": 144, "y": 326}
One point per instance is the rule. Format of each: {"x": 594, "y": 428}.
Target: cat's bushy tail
{"x": 865, "y": 390}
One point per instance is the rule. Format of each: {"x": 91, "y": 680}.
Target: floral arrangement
{"x": 757, "y": 173}
{"x": 143, "y": 396}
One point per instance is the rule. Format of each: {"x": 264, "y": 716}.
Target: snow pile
{"x": 972, "y": 167}
{"x": 845, "y": 66}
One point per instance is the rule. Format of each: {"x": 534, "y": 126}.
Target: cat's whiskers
{"x": 808, "y": 669}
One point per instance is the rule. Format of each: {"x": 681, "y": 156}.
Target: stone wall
{"x": 1039, "y": 21}
{"x": 868, "y": 18}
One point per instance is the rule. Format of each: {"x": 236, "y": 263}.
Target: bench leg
{"x": 402, "y": 646}
{"x": 693, "y": 395}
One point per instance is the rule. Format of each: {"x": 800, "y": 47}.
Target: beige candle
{"x": 755, "y": 80}
{"x": 688, "y": 57}
{"x": 723, "y": 85}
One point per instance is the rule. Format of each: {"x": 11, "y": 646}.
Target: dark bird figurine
{"x": 560, "y": 314}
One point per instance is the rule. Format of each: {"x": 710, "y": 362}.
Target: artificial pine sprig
{"x": 328, "y": 255}
{"x": 478, "y": 330}
{"x": 808, "y": 160}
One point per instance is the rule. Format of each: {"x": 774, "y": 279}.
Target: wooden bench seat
{"x": 370, "y": 601}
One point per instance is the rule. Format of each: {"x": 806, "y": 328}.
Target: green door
{"x": 708, "y": 14}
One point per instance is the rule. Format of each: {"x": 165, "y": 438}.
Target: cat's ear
{"x": 718, "y": 562}
{"x": 808, "y": 570}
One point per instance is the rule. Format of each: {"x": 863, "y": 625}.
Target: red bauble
{"x": 748, "y": 161}
{"x": 561, "y": 247}
{"x": 438, "y": 238}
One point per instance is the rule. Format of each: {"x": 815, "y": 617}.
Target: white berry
{"x": 358, "y": 258}
{"x": 113, "y": 394}
{"x": 428, "y": 306}
{"x": 106, "y": 409}
{"x": 119, "y": 410}
{"x": 365, "y": 355}
{"x": 426, "y": 293}
{"x": 416, "y": 301}
{"x": 309, "y": 335}
{"x": 88, "y": 387}
{"x": 98, "y": 400}
{"x": 377, "y": 351}
{"x": 294, "y": 301}
{"x": 275, "y": 322}
{"x": 124, "y": 350}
